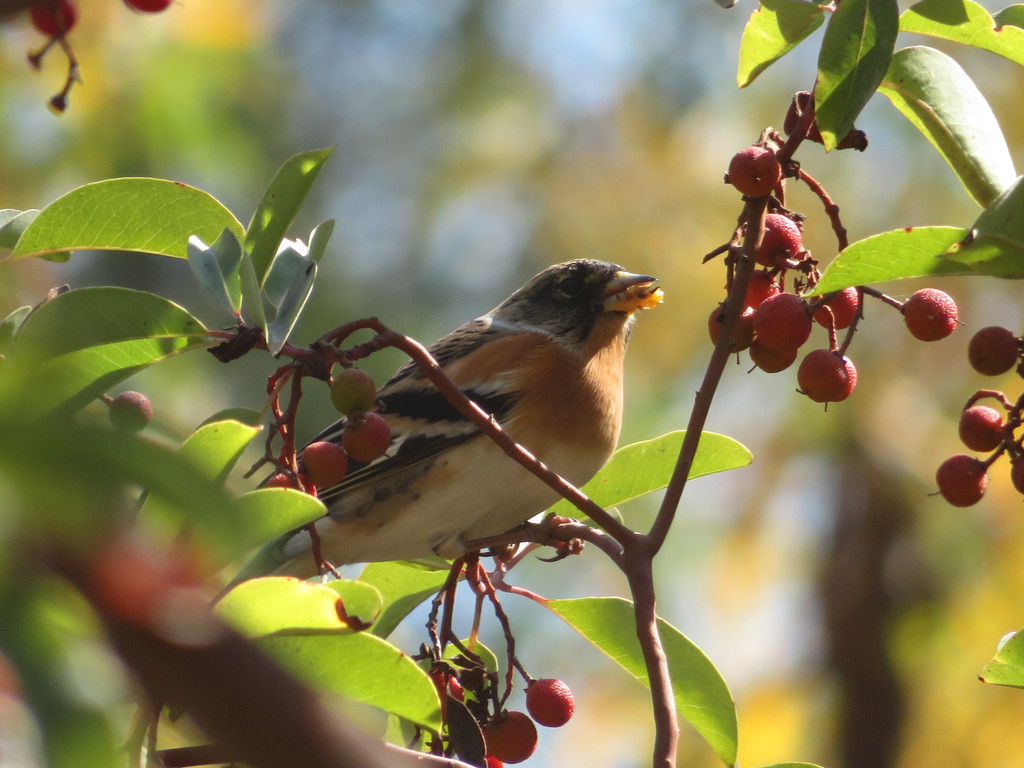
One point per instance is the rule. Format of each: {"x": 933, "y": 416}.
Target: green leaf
{"x": 271, "y": 512}
{"x": 895, "y": 255}
{"x": 12, "y": 224}
{"x": 792, "y": 765}
{"x": 1011, "y": 16}
{"x": 215, "y": 447}
{"x": 361, "y": 667}
{"x": 940, "y": 100}
{"x": 134, "y": 214}
{"x": 855, "y": 54}
{"x": 84, "y": 341}
{"x": 10, "y": 326}
{"x": 963, "y": 21}
{"x": 402, "y": 586}
{"x": 773, "y": 30}
{"x": 1007, "y": 666}
{"x": 641, "y": 468}
{"x": 288, "y": 288}
{"x": 319, "y": 238}
{"x": 217, "y": 267}
{"x": 359, "y": 604}
{"x": 252, "y": 294}
{"x": 276, "y": 604}
{"x": 280, "y": 203}
{"x": 996, "y": 242}
{"x": 487, "y": 657}
{"x": 702, "y": 696}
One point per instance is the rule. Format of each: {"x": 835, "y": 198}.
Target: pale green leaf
{"x": 641, "y": 468}
{"x": 1007, "y": 666}
{"x": 133, "y": 214}
{"x": 281, "y": 604}
{"x": 967, "y": 22}
{"x": 702, "y": 697}
{"x": 217, "y": 267}
{"x": 996, "y": 242}
{"x": 272, "y": 512}
{"x": 940, "y": 100}
{"x": 773, "y": 30}
{"x": 12, "y": 224}
{"x": 895, "y": 255}
{"x": 855, "y": 54}
{"x": 402, "y": 586}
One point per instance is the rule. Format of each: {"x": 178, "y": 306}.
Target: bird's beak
{"x": 627, "y": 292}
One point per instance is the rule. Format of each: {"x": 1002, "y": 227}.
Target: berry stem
{"x": 831, "y": 209}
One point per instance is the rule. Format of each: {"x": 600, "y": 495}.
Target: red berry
{"x": 53, "y": 18}
{"x": 981, "y": 428}
{"x": 366, "y": 437}
{"x": 284, "y": 480}
{"x": 771, "y": 360}
{"x": 1017, "y": 474}
{"x": 755, "y": 171}
{"x": 744, "y": 330}
{"x": 844, "y": 306}
{"x": 930, "y": 314}
{"x": 325, "y": 463}
{"x": 148, "y": 6}
{"x": 993, "y": 350}
{"x": 511, "y": 737}
{"x": 825, "y": 377}
{"x": 550, "y": 702}
{"x": 762, "y": 286}
{"x": 353, "y": 391}
{"x": 493, "y": 762}
{"x": 131, "y": 411}
{"x": 782, "y": 240}
{"x": 962, "y": 480}
{"x": 782, "y": 322}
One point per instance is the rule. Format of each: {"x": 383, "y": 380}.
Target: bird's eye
{"x": 568, "y": 288}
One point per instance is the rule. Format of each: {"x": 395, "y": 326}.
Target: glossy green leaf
{"x": 486, "y": 656}
{"x": 643, "y": 467}
{"x": 895, "y": 255}
{"x": 276, "y": 604}
{"x": 403, "y": 586}
{"x": 361, "y": 667}
{"x": 217, "y": 267}
{"x": 855, "y": 54}
{"x": 134, "y": 214}
{"x": 252, "y": 294}
{"x": 288, "y": 287}
{"x": 773, "y": 30}
{"x": 280, "y": 203}
{"x": 1011, "y": 16}
{"x": 319, "y": 238}
{"x": 10, "y": 326}
{"x": 12, "y": 224}
{"x": 967, "y": 22}
{"x": 1007, "y": 666}
{"x": 214, "y": 448}
{"x": 85, "y": 341}
{"x": 996, "y": 242}
{"x": 360, "y": 603}
{"x": 702, "y": 697}
{"x": 271, "y": 512}
{"x": 940, "y": 100}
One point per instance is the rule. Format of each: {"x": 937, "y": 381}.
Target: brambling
{"x": 546, "y": 363}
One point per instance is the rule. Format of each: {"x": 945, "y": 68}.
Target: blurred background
{"x": 477, "y": 142}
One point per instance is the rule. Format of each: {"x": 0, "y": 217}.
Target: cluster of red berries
{"x": 774, "y": 324}
{"x": 962, "y": 479}
{"x": 365, "y": 437}
{"x": 510, "y": 736}
{"x": 54, "y": 19}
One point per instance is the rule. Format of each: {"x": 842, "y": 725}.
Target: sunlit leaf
{"x": 855, "y": 54}
{"x": 288, "y": 288}
{"x": 895, "y": 255}
{"x": 774, "y": 29}
{"x": 85, "y": 341}
{"x": 360, "y": 604}
{"x": 996, "y": 242}
{"x": 134, "y": 214}
{"x": 252, "y": 294}
{"x": 10, "y": 326}
{"x": 217, "y": 267}
{"x": 647, "y": 466}
{"x": 280, "y": 203}
{"x": 216, "y": 447}
{"x": 967, "y": 22}
{"x": 1007, "y": 666}
{"x": 281, "y": 604}
{"x": 319, "y": 238}
{"x": 12, "y": 224}
{"x": 941, "y": 101}
{"x": 702, "y": 697}
{"x": 361, "y": 667}
{"x": 272, "y": 512}
{"x": 402, "y": 586}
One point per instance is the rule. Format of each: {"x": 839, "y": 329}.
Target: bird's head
{"x": 567, "y": 301}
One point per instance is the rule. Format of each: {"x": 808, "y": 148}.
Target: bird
{"x": 546, "y": 363}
